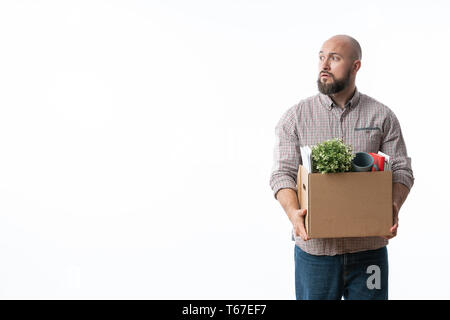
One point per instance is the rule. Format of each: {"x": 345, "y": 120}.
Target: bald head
{"x": 349, "y": 44}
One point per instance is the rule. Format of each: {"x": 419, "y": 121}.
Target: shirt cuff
{"x": 283, "y": 184}
{"x": 407, "y": 180}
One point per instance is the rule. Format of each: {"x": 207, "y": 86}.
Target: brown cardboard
{"x": 348, "y": 204}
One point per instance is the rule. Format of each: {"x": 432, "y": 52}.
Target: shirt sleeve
{"x": 393, "y": 145}
{"x": 286, "y": 156}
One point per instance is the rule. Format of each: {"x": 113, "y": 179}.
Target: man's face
{"x": 334, "y": 67}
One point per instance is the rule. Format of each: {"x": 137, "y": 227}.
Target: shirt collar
{"x": 329, "y": 104}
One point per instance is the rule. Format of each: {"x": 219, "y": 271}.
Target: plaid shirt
{"x": 365, "y": 123}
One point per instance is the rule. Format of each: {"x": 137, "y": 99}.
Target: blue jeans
{"x": 354, "y": 276}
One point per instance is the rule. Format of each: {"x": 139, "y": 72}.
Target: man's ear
{"x": 356, "y": 65}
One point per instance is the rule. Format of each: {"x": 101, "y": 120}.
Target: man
{"x": 335, "y": 268}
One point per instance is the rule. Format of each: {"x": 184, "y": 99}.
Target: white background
{"x": 136, "y": 142}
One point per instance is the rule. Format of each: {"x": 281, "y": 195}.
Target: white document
{"x": 306, "y": 157}
{"x": 387, "y": 162}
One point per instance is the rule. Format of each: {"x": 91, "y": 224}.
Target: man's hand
{"x": 297, "y": 218}
{"x": 399, "y": 194}
{"x": 395, "y": 209}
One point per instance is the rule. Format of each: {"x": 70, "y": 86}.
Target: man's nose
{"x": 324, "y": 65}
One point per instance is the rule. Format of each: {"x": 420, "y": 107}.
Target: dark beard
{"x": 334, "y": 87}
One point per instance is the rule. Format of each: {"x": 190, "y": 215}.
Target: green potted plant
{"x": 331, "y": 156}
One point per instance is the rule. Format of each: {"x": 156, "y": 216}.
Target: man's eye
{"x": 335, "y": 58}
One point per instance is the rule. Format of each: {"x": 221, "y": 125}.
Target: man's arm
{"x": 399, "y": 193}
{"x": 402, "y": 175}
{"x": 286, "y": 154}
{"x": 289, "y": 201}
{"x": 283, "y": 179}
{"x": 394, "y": 145}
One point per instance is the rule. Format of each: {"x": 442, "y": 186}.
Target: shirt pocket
{"x": 368, "y": 139}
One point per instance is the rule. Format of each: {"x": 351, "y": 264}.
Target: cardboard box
{"x": 348, "y": 204}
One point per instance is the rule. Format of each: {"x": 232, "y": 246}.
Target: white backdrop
{"x": 136, "y": 142}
